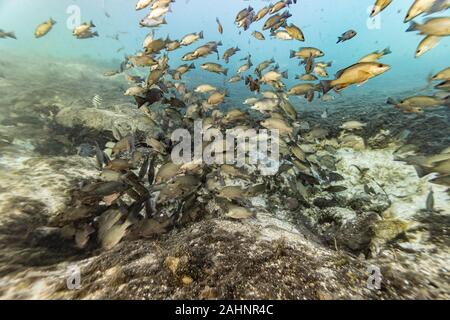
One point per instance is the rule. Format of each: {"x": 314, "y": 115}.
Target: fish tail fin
{"x": 340, "y": 39}
{"x": 309, "y": 95}
{"x": 95, "y": 34}
{"x": 51, "y": 21}
{"x": 326, "y": 86}
{"x": 285, "y": 74}
{"x": 292, "y": 55}
{"x": 225, "y": 72}
{"x": 92, "y": 24}
{"x": 192, "y": 66}
{"x": 413, "y": 26}
{"x": 391, "y": 101}
{"x": 11, "y": 35}
{"x": 200, "y": 35}
{"x": 421, "y": 172}
{"x": 164, "y": 21}
{"x": 447, "y": 101}
{"x": 387, "y": 51}
{"x": 219, "y": 43}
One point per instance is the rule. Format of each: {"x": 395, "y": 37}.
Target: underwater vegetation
{"x": 121, "y": 170}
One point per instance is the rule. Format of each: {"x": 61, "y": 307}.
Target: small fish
{"x": 306, "y": 77}
{"x": 142, "y": 4}
{"x": 347, "y": 36}
{"x": 425, "y": 6}
{"x": 429, "y": 204}
{"x": 214, "y": 67}
{"x": 229, "y": 53}
{"x": 443, "y": 85}
{"x": 379, "y": 6}
{"x": 428, "y": 43}
{"x": 97, "y": 101}
{"x": 44, "y": 28}
{"x": 181, "y": 70}
{"x": 258, "y": 35}
{"x": 375, "y": 56}
{"x": 135, "y": 91}
{"x": 295, "y": 32}
{"x": 301, "y": 89}
{"x": 245, "y": 67}
{"x": 358, "y": 74}
{"x": 235, "y": 79}
{"x": 191, "y": 38}
{"x": 238, "y": 213}
{"x": 216, "y": 98}
{"x": 88, "y": 35}
{"x": 279, "y": 6}
{"x": 282, "y": 35}
{"x": 261, "y": 13}
{"x": 172, "y": 45}
{"x": 278, "y": 124}
{"x": 423, "y": 102}
{"x": 442, "y": 75}
{"x": 353, "y": 125}
{"x": 273, "y": 76}
{"x": 433, "y": 27}
{"x": 157, "y": 13}
{"x": 253, "y": 84}
{"x": 83, "y": 29}
{"x": 335, "y": 189}
{"x": 152, "y": 23}
{"x": 219, "y": 26}
{"x": 205, "y": 88}
{"x": 243, "y": 14}
{"x": 306, "y": 52}
{"x": 4, "y": 34}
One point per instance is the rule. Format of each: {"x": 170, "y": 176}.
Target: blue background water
{"x": 321, "y": 20}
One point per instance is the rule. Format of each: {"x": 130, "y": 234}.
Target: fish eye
{"x": 380, "y": 66}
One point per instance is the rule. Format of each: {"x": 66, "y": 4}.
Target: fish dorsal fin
{"x": 340, "y": 72}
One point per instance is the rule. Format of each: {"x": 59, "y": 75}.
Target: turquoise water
{"x": 322, "y": 21}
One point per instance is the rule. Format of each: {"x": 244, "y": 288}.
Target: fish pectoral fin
{"x": 365, "y": 76}
{"x": 340, "y": 87}
{"x": 362, "y": 83}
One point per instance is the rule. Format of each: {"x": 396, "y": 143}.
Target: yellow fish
{"x": 44, "y": 28}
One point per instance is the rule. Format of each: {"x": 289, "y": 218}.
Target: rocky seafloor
{"x": 319, "y": 247}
